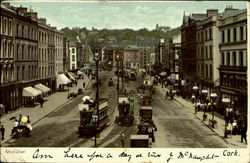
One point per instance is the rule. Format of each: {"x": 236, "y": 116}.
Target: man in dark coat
{"x": 243, "y": 133}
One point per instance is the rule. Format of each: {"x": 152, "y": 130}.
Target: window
{"x": 17, "y": 73}
{"x": 22, "y": 51}
{"x": 5, "y": 27}
{"x": 228, "y": 35}
{"x": 206, "y": 71}
{"x": 234, "y": 58}
{"x": 206, "y": 35}
{"x": 234, "y": 34}
{"x": 206, "y": 52}
{"x": 73, "y": 66}
{"x": 17, "y": 50}
{"x": 73, "y": 50}
{"x": 228, "y": 58}
{"x": 28, "y": 32}
{"x": 202, "y": 36}
{"x": 210, "y": 33}
{"x": 22, "y": 31}
{"x": 241, "y": 33}
{"x": 10, "y": 28}
{"x": 17, "y": 28}
{"x": 211, "y": 51}
{"x": 211, "y": 71}
{"x": 23, "y": 73}
{"x": 240, "y": 58}
{"x": 223, "y": 36}
{"x": 222, "y": 59}
{"x": 73, "y": 58}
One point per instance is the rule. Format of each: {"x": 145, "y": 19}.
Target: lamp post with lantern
{"x": 195, "y": 88}
{"x": 213, "y": 97}
{"x": 204, "y": 95}
{"x": 94, "y": 121}
{"x": 226, "y": 102}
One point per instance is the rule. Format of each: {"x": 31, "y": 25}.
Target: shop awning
{"x": 30, "y": 92}
{"x": 42, "y": 88}
{"x": 71, "y": 76}
{"x": 163, "y": 74}
{"x": 62, "y": 79}
{"x": 47, "y": 88}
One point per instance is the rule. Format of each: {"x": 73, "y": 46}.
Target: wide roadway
{"x": 177, "y": 126}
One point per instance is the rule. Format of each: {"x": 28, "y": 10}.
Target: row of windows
{"x": 205, "y": 53}
{"x": 26, "y": 52}
{"x": 7, "y": 74}
{"x": 6, "y": 26}
{"x": 207, "y": 35}
{"x": 26, "y": 32}
{"x": 7, "y": 47}
{"x": 232, "y": 35}
{"x": 232, "y": 59}
{"x": 26, "y": 72}
{"x": 208, "y": 70}
{"x": 232, "y": 82}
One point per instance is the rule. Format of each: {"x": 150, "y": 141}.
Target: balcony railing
{"x": 234, "y": 68}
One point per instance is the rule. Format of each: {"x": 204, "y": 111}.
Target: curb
{"x": 68, "y": 100}
{"x": 207, "y": 125}
{"x": 214, "y": 131}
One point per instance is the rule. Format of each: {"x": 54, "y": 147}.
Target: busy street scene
{"x": 181, "y": 85}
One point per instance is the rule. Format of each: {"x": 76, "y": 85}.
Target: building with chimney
{"x": 233, "y": 58}
{"x": 7, "y": 58}
{"x": 207, "y": 57}
{"x": 189, "y": 45}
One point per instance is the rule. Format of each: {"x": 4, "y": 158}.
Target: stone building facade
{"x": 233, "y": 58}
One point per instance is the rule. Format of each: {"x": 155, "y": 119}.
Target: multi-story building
{"x": 144, "y": 59}
{"x": 233, "y": 58}
{"x": 66, "y": 56}
{"x": 131, "y": 58}
{"x": 27, "y": 48}
{"x": 207, "y": 57}
{"x": 7, "y": 61}
{"x": 159, "y": 56}
{"x": 58, "y": 38}
{"x": 176, "y": 51}
{"x": 189, "y": 45}
{"x": 43, "y": 58}
{"x": 73, "y": 55}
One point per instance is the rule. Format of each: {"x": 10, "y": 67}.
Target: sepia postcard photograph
{"x": 128, "y": 75}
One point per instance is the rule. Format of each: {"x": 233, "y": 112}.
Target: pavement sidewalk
{"x": 52, "y": 103}
{"x": 234, "y": 140}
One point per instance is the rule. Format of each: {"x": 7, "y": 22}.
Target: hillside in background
{"x": 128, "y": 35}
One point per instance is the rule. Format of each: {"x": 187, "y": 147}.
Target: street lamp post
{"x": 213, "y": 97}
{"x": 195, "y": 88}
{"x": 94, "y": 120}
{"x": 204, "y": 93}
{"x": 226, "y": 102}
{"x": 96, "y": 59}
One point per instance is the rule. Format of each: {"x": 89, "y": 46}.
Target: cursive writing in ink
{"x": 124, "y": 154}
{"x": 94, "y": 155}
{"x": 37, "y": 155}
{"x": 71, "y": 155}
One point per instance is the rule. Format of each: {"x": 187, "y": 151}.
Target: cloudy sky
{"x": 120, "y": 15}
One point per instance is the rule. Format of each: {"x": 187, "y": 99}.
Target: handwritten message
{"x": 124, "y": 155}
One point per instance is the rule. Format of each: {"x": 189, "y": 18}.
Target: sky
{"x": 121, "y": 15}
